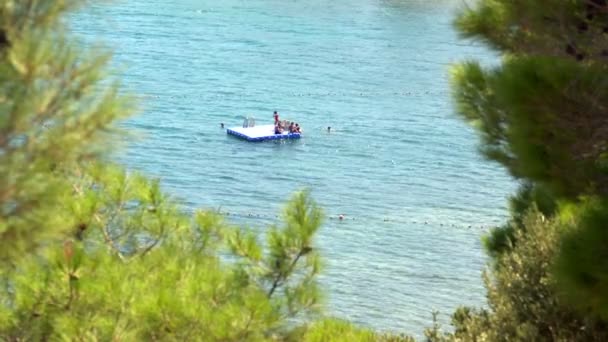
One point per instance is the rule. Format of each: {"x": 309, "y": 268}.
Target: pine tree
{"x": 143, "y": 270}
{"x": 542, "y": 115}
{"x": 56, "y": 115}
{"x": 89, "y": 251}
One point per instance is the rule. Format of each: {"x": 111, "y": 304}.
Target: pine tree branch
{"x": 156, "y": 241}
{"x": 3, "y": 40}
{"x": 244, "y": 334}
{"x": 108, "y": 239}
{"x": 282, "y": 275}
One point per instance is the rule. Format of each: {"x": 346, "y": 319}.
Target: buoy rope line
{"x": 346, "y": 218}
{"x": 293, "y": 94}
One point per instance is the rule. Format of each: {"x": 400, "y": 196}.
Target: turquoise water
{"x": 398, "y": 164}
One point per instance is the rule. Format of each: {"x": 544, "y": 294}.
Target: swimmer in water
{"x": 328, "y": 129}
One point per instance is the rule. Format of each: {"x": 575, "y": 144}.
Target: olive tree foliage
{"x": 524, "y": 301}
{"x": 90, "y": 251}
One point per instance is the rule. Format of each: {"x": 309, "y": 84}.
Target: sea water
{"x": 398, "y": 164}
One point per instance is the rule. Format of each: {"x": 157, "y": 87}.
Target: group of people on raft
{"x": 281, "y": 126}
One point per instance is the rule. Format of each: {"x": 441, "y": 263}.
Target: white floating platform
{"x": 260, "y": 133}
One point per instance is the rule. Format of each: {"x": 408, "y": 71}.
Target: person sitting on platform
{"x": 298, "y": 129}
{"x": 292, "y": 127}
{"x": 276, "y": 117}
{"x": 278, "y": 129}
